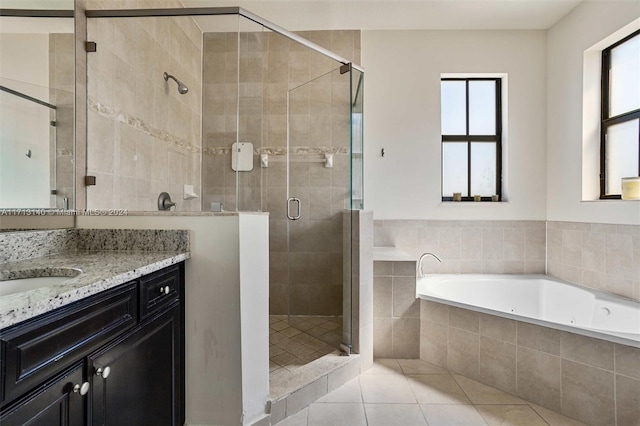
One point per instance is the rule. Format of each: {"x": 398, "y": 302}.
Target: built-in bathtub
{"x": 540, "y": 300}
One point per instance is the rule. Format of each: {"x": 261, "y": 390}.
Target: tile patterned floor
{"x": 299, "y": 340}
{"x": 414, "y": 392}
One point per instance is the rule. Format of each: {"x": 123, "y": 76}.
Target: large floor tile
{"x": 386, "y": 388}
{"x": 349, "y": 392}
{"x": 384, "y": 366}
{"x": 483, "y": 394}
{"x": 510, "y": 415}
{"x": 298, "y": 419}
{"x": 452, "y": 415}
{"x": 394, "y": 414}
{"x": 437, "y": 389}
{"x": 418, "y": 366}
{"x": 336, "y": 414}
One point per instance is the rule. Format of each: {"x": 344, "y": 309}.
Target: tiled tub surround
{"x": 596, "y": 255}
{"x": 539, "y": 299}
{"x": 468, "y": 246}
{"x": 591, "y": 380}
{"x": 602, "y": 256}
{"x": 396, "y": 311}
{"x": 103, "y": 265}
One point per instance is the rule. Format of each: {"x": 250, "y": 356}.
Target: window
{"x": 620, "y": 127}
{"x": 471, "y": 138}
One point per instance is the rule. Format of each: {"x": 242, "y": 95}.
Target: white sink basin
{"x": 25, "y": 284}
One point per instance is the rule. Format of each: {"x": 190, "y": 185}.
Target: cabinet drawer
{"x": 158, "y": 290}
{"x": 39, "y": 348}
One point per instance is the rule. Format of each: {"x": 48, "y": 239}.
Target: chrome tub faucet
{"x": 419, "y": 271}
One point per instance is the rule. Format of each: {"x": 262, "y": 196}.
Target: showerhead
{"x": 182, "y": 89}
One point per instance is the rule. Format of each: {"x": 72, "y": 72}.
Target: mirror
{"x": 37, "y": 64}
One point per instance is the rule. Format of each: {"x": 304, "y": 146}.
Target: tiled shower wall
{"x": 143, "y": 137}
{"x": 601, "y": 256}
{"x": 270, "y": 66}
{"x": 61, "y": 84}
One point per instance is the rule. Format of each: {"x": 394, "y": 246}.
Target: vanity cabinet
{"x": 57, "y": 402}
{"x": 114, "y": 358}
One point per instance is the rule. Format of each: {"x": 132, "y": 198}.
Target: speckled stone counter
{"x": 105, "y": 257}
{"x": 101, "y": 270}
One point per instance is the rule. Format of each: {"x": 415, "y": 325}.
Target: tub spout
{"x": 419, "y": 271}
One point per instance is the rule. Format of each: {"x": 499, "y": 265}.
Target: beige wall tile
{"x": 434, "y": 312}
{"x": 514, "y": 244}
{"x": 535, "y": 244}
{"x": 433, "y": 342}
{"x": 619, "y": 255}
{"x": 382, "y": 297}
{"x": 627, "y": 401}
{"x": 404, "y": 269}
{"x": 594, "y": 352}
{"x": 539, "y": 338}
{"x": 463, "y": 352}
{"x": 627, "y": 360}
{"x": 464, "y": 319}
{"x": 406, "y": 345}
{"x": 588, "y": 393}
{"x": 498, "y": 364}
{"x": 538, "y": 377}
{"x": 383, "y": 337}
{"x": 305, "y": 396}
{"x": 471, "y": 244}
{"x": 404, "y": 299}
{"x": 492, "y": 244}
{"x": 382, "y": 268}
{"x": 498, "y": 328}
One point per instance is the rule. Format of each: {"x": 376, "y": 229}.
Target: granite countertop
{"x": 101, "y": 270}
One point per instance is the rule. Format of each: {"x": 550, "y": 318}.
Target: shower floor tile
{"x": 297, "y": 341}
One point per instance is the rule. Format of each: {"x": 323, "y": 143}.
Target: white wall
{"x": 402, "y": 115}
{"x": 567, "y": 41}
{"x": 226, "y": 312}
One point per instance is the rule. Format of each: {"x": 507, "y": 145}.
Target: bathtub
{"x": 541, "y": 300}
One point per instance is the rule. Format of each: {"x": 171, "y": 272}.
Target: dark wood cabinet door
{"x": 55, "y": 403}
{"x": 143, "y": 384}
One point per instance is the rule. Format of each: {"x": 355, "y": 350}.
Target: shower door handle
{"x": 297, "y": 216}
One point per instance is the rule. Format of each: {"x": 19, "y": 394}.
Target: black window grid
{"x": 607, "y": 121}
{"x": 468, "y": 138}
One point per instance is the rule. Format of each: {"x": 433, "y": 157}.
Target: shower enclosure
{"x": 271, "y": 122}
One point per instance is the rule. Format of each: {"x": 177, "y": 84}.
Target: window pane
{"x": 483, "y": 168}
{"x": 482, "y": 107}
{"x": 454, "y": 168}
{"x": 622, "y": 154}
{"x": 625, "y": 77}
{"x": 454, "y": 111}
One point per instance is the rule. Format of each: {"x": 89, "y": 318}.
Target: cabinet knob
{"x": 165, "y": 290}
{"x": 104, "y": 372}
{"x": 82, "y": 389}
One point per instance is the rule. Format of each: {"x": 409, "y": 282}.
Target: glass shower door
{"x": 318, "y": 194}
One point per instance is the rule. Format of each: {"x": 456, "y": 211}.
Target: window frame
{"x": 497, "y": 139}
{"x": 605, "y": 120}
